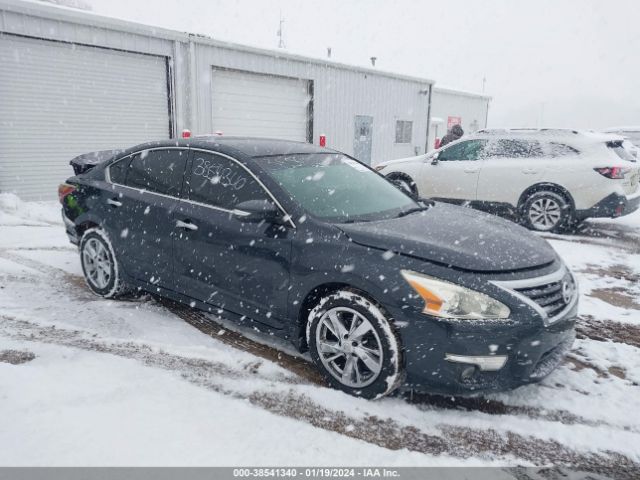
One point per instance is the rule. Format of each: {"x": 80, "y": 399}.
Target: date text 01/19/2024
{"x": 318, "y": 472}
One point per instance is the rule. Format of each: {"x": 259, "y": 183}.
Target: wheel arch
{"x": 313, "y": 297}
{"x": 549, "y": 187}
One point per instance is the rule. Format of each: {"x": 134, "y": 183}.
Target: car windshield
{"x": 336, "y": 188}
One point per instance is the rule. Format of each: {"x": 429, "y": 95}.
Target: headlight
{"x": 448, "y": 300}
{"x": 377, "y": 168}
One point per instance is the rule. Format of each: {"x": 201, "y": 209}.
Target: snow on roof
{"x": 622, "y": 129}
{"x": 588, "y": 135}
{"x": 464, "y": 93}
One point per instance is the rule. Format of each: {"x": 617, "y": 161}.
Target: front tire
{"x": 99, "y": 264}
{"x": 354, "y": 345}
{"x": 547, "y": 211}
{"x": 404, "y": 183}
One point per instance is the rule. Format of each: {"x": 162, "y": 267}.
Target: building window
{"x": 403, "y": 131}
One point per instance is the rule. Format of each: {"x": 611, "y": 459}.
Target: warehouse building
{"x": 73, "y": 82}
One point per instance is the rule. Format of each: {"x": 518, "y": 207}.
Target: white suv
{"x": 549, "y": 179}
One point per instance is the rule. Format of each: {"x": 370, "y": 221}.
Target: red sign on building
{"x": 451, "y": 121}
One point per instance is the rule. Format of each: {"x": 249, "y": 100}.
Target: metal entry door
{"x": 362, "y": 138}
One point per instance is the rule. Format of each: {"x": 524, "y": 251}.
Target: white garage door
{"x": 256, "y": 105}
{"x": 60, "y": 100}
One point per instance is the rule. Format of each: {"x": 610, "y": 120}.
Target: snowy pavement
{"x": 87, "y": 381}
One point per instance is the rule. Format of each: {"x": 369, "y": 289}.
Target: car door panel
{"x": 141, "y": 212}
{"x": 226, "y": 262}
{"x": 454, "y": 173}
{"x": 510, "y": 167}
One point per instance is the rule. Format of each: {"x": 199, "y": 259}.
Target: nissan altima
{"x": 306, "y": 243}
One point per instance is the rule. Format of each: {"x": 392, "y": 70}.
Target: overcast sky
{"x": 571, "y": 63}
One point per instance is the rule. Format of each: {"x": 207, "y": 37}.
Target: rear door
{"x": 144, "y": 196}
{"x": 454, "y": 175}
{"x": 221, "y": 260}
{"x": 510, "y": 167}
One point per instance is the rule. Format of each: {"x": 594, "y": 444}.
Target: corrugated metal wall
{"x": 340, "y": 93}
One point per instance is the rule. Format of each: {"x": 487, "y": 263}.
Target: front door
{"x": 239, "y": 266}
{"x": 141, "y": 203}
{"x": 362, "y": 138}
{"x": 454, "y": 174}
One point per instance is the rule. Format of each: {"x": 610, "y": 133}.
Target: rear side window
{"x": 118, "y": 171}
{"x": 620, "y": 151}
{"x": 220, "y": 182}
{"x": 469, "y": 150}
{"x": 159, "y": 171}
{"x": 509, "y": 148}
{"x": 554, "y": 149}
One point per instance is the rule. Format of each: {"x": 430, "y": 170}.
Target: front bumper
{"x": 612, "y": 206}
{"x": 439, "y": 355}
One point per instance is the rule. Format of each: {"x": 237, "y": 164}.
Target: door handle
{"x": 186, "y": 225}
{"x": 114, "y": 203}
{"x": 527, "y": 171}
{"x": 471, "y": 170}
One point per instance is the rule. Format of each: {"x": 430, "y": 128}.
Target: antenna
{"x": 281, "y": 39}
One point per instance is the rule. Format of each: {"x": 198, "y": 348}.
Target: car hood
{"x": 458, "y": 237}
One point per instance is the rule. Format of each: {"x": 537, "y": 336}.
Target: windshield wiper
{"x": 414, "y": 210}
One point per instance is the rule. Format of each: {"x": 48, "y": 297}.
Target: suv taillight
{"x": 64, "y": 189}
{"x": 615, "y": 173}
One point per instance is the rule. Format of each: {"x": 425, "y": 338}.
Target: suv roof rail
{"x": 527, "y": 130}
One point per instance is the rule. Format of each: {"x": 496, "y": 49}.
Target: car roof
{"x": 246, "y": 146}
{"x": 554, "y": 134}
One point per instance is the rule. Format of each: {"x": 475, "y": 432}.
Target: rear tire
{"x": 547, "y": 211}
{"x": 354, "y": 345}
{"x": 99, "y": 264}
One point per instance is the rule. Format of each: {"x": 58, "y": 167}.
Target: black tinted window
{"x": 469, "y": 150}
{"x": 158, "y": 171}
{"x": 620, "y": 151}
{"x": 118, "y": 171}
{"x": 221, "y": 182}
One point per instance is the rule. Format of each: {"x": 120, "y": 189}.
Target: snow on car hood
{"x": 456, "y": 236}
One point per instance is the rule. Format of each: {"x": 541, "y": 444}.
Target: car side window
{"x": 508, "y": 148}
{"x": 469, "y": 150}
{"x": 160, "y": 171}
{"x": 215, "y": 180}
{"x": 554, "y": 149}
{"x": 118, "y": 171}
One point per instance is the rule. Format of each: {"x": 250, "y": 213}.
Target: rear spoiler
{"x": 85, "y": 162}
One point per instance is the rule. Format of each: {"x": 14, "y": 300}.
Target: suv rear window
{"x": 620, "y": 151}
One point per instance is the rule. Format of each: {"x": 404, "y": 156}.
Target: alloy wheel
{"x": 97, "y": 263}
{"x": 545, "y": 213}
{"x": 349, "y": 347}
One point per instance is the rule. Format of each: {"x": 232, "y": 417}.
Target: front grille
{"x": 553, "y": 296}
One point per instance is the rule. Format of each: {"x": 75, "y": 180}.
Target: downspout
{"x": 426, "y": 143}
{"x": 193, "y": 104}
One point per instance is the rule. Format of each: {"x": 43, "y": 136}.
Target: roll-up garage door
{"x": 251, "y": 104}
{"x": 59, "y": 100}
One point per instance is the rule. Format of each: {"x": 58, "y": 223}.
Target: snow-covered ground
{"x": 87, "y": 381}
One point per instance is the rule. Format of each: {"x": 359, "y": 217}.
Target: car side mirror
{"x": 434, "y": 160}
{"x": 256, "y": 211}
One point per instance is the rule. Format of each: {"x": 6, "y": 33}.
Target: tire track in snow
{"x": 454, "y": 441}
{"x": 304, "y": 371}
